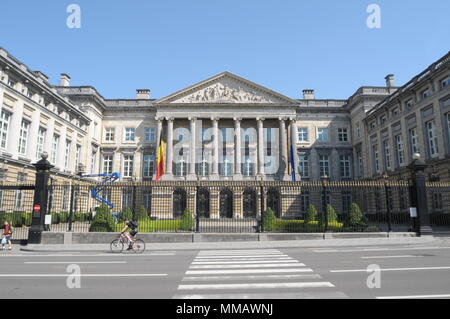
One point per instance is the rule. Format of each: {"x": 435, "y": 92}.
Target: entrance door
{"x": 203, "y": 203}
{"x": 179, "y": 202}
{"x": 226, "y": 204}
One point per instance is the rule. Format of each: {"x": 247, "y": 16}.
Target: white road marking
{"x": 244, "y": 256}
{"x": 259, "y": 285}
{"x": 243, "y": 262}
{"x": 82, "y": 275}
{"x": 256, "y": 277}
{"x": 247, "y": 271}
{"x": 414, "y": 297}
{"x": 399, "y": 256}
{"x": 242, "y": 259}
{"x": 391, "y": 269}
{"x": 296, "y": 295}
{"x": 75, "y": 262}
{"x": 376, "y": 249}
{"x": 246, "y": 266}
{"x": 243, "y": 251}
{"x": 115, "y": 255}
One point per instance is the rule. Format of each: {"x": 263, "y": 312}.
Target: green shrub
{"x": 331, "y": 214}
{"x": 187, "y": 220}
{"x": 16, "y": 219}
{"x": 56, "y": 218}
{"x": 103, "y": 220}
{"x": 311, "y": 214}
{"x": 141, "y": 213}
{"x": 26, "y": 217}
{"x": 126, "y": 214}
{"x": 268, "y": 218}
{"x": 354, "y": 216}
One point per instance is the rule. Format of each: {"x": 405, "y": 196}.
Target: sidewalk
{"x": 246, "y": 245}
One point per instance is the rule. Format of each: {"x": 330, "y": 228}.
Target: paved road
{"x": 406, "y": 271}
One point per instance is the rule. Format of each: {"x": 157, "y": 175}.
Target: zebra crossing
{"x": 252, "y": 274}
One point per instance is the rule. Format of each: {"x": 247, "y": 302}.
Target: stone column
{"x": 260, "y": 146}
{"x": 314, "y": 165}
{"x": 159, "y": 126}
{"x": 283, "y": 151}
{"x": 335, "y": 165}
{"x": 237, "y": 148}
{"x": 215, "y": 158}
{"x": 192, "y": 175}
{"x": 169, "y": 163}
{"x": 13, "y": 134}
{"x": 293, "y": 139}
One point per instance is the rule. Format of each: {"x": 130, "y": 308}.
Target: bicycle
{"x": 118, "y": 244}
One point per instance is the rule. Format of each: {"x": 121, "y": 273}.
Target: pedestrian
{"x": 7, "y": 233}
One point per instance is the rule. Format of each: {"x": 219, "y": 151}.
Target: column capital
{"x": 170, "y": 118}
{"x": 192, "y": 118}
{"x": 215, "y": 119}
{"x": 282, "y": 118}
{"x": 292, "y": 119}
{"x": 237, "y": 119}
{"x": 260, "y": 119}
{"x": 159, "y": 118}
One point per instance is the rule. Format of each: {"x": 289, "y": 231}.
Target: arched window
{"x": 179, "y": 202}
{"x": 226, "y": 203}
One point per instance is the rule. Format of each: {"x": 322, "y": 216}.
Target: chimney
{"x": 308, "y": 95}
{"x": 142, "y": 94}
{"x": 389, "y": 80}
{"x": 64, "y": 80}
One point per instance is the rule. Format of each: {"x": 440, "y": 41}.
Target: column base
{"x": 167, "y": 177}
{"x": 285, "y": 177}
{"x": 191, "y": 177}
{"x": 214, "y": 177}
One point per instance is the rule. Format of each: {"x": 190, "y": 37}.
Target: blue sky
{"x": 284, "y": 45}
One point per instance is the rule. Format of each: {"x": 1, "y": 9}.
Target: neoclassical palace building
{"x": 223, "y": 128}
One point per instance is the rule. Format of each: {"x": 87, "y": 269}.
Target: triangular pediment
{"x": 226, "y": 88}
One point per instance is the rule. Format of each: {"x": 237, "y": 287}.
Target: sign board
{"x": 413, "y": 211}
{"x": 48, "y": 220}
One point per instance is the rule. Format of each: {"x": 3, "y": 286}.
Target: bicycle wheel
{"x": 116, "y": 246}
{"x": 139, "y": 246}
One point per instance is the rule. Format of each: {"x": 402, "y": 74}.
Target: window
{"x": 437, "y": 201}
{"x": 23, "y": 137}
{"x": 149, "y": 134}
{"x": 302, "y": 134}
{"x": 128, "y": 165}
{"x": 376, "y": 163}
{"x": 130, "y": 134}
{"x": 110, "y": 133}
{"x": 383, "y": 119}
{"x": 445, "y": 83}
{"x": 372, "y": 125}
{"x": 4, "y": 126}
{"x": 149, "y": 166}
{"x": 226, "y": 168}
{"x": 426, "y": 93}
{"x": 247, "y": 167}
{"x": 181, "y": 168}
{"x": 409, "y": 104}
{"x": 227, "y": 134}
{"x": 387, "y": 155}
{"x": 413, "y": 141}
{"x": 18, "y": 200}
{"x": 40, "y": 142}
{"x": 432, "y": 139}
{"x": 67, "y": 154}
{"x": 108, "y": 164}
{"x": 342, "y": 135}
{"x": 344, "y": 161}
{"x": 77, "y": 157}
{"x": 203, "y": 168}
{"x": 303, "y": 165}
{"x": 395, "y": 112}
{"x": 360, "y": 164}
{"x": 324, "y": 165}
{"x": 55, "y": 143}
{"x": 448, "y": 124}
{"x": 304, "y": 201}
{"x": 322, "y": 134}
{"x": 400, "y": 151}
{"x": 346, "y": 201}
{"x": 11, "y": 83}
{"x": 93, "y": 161}
{"x": 358, "y": 131}
{"x": 206, "y": 134}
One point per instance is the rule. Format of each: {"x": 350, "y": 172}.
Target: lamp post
{"x": 40, "y": 199}
{"x": 419, "y": 196}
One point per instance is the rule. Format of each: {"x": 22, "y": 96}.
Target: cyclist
{"x": 133, "y": 227}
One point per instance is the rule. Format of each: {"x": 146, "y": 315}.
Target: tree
{"x": 268, "y": 219}
{"x": 311, "y": 214}
{"x": 126, "y": 214}
{"x": 103, "y": 220}
{"x": 141, "y": 213}
{"x": 331, "y": 213}
{"x": 354, "y": 216}
{"x": 187, "y": 220}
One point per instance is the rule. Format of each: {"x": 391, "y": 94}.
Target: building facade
{"x": 224, "y": 128}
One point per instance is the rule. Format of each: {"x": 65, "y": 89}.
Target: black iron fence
{"x": 228, "y": 207}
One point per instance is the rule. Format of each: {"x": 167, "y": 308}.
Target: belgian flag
{"x": 161, "y": 159}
